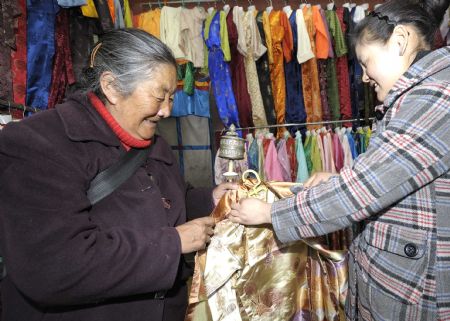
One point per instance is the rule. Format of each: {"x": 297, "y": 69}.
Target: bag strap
{"x": 111, "y": 178}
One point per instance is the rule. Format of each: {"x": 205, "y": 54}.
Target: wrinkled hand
{"x": 250, "y": 211}
{"x": 222, "y": 189}
{"x": 195, "y": 234}
{"x": 318, "y": 178}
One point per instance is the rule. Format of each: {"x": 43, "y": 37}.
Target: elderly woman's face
{"x": 151, "y": 101}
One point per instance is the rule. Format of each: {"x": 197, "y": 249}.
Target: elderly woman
{"x": 121, "y": 258}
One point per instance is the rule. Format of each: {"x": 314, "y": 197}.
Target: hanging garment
{"x": 40, "y": 50}
{"x": 219, "y": 71}
{"x": 307, "y": 147}
{"x": 295, "y": 108}
{"x": 245, "y": 274}
{"x": 118, "y": 21}
{"x": 127, "y": 15}
{"x": 261, "y": 157}
{"x": 338, "y": 153}
{"x": 195, "y": 104}
{"x": 343, "y": 76}
{"x": 221, "y": 167}
{"x": 252, "y": 155}
{"x": 71, "y": 3}
{"x": 238, "y": 78}
{"x": 283, "y": 160}
{"x": 310, "y": 75}
{"x": 150, "y": 21}
{"x": 263, "y": 69}
{"x": 253, "y": 50}
{"x": 316, "y": 156}
{"x": 340, "y": 49}
{"x": 9, "y": 11}
{"x": 19, "y": 61}
{"x": 290, "y": 147}
{"x": 170, "y": 30}
{"x": 302, "y": 169}
{"x": 282, "y": 46}
{"x": 106, "y": 13}
{"x": 191, "y": 41}
{"x": 328, "y": 153}
{"x": 62, "y": 74}
{"x": 304, "y": 49}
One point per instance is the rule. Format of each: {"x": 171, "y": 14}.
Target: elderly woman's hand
{"x": 222, "y": 189}
{"x": 250, "y": 211}
{"x": 318, "y": 178}
{"x": 195, "y": 234}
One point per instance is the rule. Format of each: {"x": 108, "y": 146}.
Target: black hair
{"x": 425, "y": 16}
{"x": 131, "y": 55}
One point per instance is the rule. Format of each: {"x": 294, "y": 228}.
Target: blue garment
{"x": 119, "y": 21}
{"x": 219, "y": 72}
{"x": 196, "y": 104}
{"x": 295, "y": 107}
{"x": 351, "y": 142}
{"x": 252, "y": 156}
{"x": 71, "y": 3}
{"x": 302, "y": 169}
{"x": 41, "y": 15}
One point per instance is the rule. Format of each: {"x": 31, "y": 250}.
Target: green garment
{"x": 334, "y": 27}
{"x": 307, "y": 151}
{"x": 185, "y": 72}
{"x": 315, "y": 155}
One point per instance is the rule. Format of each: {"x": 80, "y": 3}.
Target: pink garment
{"x": 283, "y": 159}
{"x": 337, "y": 152}
{"x": 321, "y": 150}
{"x": 348, "y": 158}
{"x": 272, "y": 168}
{"x": 328, "y": 153}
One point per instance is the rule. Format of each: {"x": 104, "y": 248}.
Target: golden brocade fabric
{"x": 246, "y": 274}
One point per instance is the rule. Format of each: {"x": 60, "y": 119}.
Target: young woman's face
{"x": 382, "y": 65}
{"x": 151, "y": 101}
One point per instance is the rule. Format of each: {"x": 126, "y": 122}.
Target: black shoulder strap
{"x": 111, "y": 178}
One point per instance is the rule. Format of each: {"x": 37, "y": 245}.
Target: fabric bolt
{"x": 254, "y": 49}
{"x": 191, "y": 41}
{"x": 263, "y": 70}
{"x": 343, "y": 76}
{"x": 62, "y": 74}
{"x": 295, "y": 108}
{"x": 18, "y": 61}
{"x": 282, "y": 45}
{"x": 399, "y": 260}
{"x": 150, "y": 21}
{"x": 41, "y": 17}
{"x": 310, "y": 76}
{"x": 224, "y": 44}
{"x": 258, "y": 280}
{"x": 302, "y": 169}
{"x": 323, "y": 85}
{"x": 9, "y": 12}
{"x": 220, "y": 72}
{"x": 264, "y": 18}
{"x": 170, "y": 30}
{"x": 292, "y": 154}
{"x": 283, "y": 160}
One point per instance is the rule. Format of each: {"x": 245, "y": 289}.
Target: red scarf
{"x": 126, "y": 139}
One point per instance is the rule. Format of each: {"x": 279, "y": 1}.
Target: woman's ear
{"x": 400, "y": 37}
{"x": 107, "y": 84}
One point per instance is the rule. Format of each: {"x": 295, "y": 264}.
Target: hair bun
{"x": 436, "y": 9}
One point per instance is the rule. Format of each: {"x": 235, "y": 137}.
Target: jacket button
{"x": 411, "y": 250}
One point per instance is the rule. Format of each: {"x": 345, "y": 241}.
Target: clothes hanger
{"x": 269, "y": 8}
{"x": 330, "y": 5}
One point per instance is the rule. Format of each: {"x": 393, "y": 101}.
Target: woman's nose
{"x": 165, "y": 110}
{"x": 365, "y": 78}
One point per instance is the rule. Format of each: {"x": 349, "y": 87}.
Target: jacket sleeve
{"x": 199, "y": 202}
{"x": 412, "y": 151}
{"x": 56, "y": 253}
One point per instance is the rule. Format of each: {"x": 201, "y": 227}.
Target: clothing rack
{"x": 304, "y": 124}
{"x": 7, "y": 105}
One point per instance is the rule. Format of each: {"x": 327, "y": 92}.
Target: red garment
{"x": 343, "y": 77}
{"x": 290, "y": 147}
{"x": 19, "y": 60}
{"x": 238, "y": 79}
{"x": 127, "y": 140}
{"x": 62, "y": 74}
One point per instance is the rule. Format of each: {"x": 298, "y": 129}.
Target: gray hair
{"x": 131, "y": 55}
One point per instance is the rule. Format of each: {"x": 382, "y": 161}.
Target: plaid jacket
{"x": 400, "y": 264}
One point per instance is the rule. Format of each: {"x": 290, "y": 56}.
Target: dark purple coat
{"x": 67, "y": 260}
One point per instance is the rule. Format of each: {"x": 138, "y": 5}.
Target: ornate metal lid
{"x": 231, "y": 145}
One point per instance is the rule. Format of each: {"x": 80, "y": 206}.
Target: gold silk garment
{"x": 246, "y": 274}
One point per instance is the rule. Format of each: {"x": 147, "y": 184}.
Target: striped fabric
{"x": 400, "y": 264}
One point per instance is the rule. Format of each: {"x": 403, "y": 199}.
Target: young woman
{"x": 400, "y": 264}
